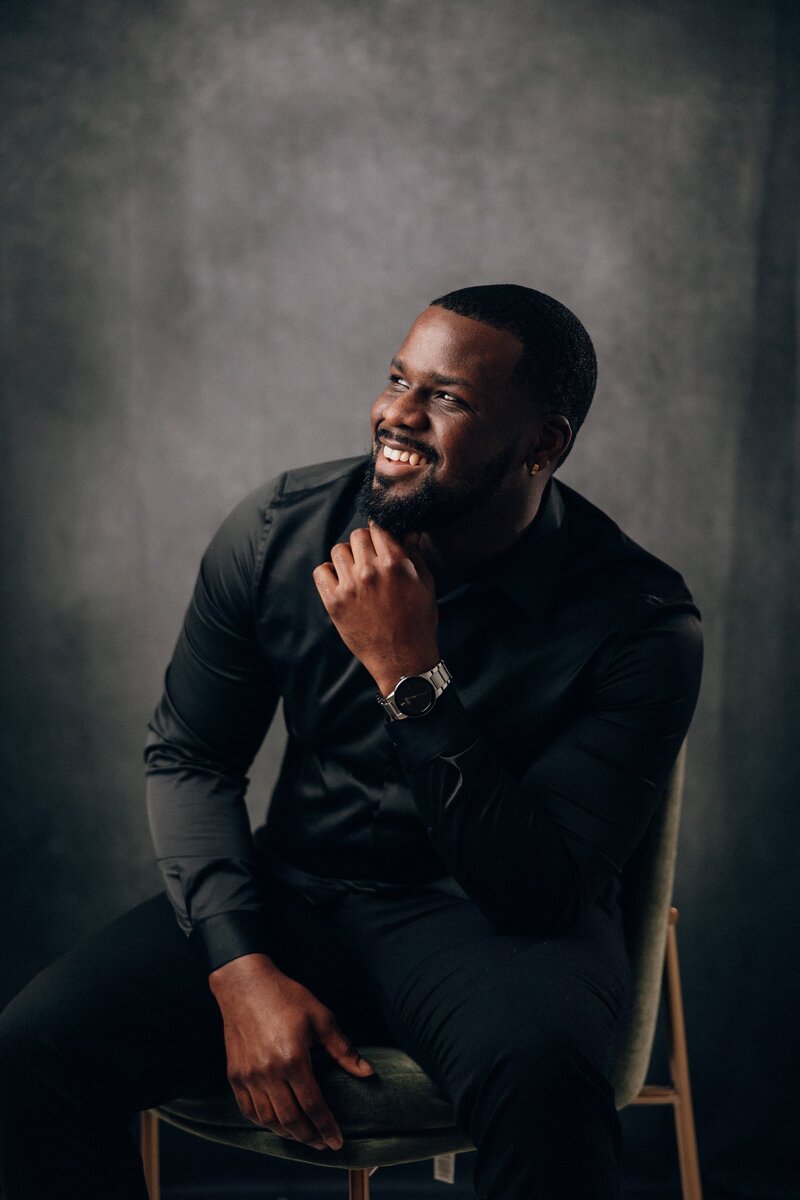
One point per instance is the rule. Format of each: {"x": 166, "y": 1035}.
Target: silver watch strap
{"x": 439, "y": 676}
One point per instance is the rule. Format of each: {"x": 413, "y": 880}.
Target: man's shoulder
{"x": 291, "y": 487}
{"x": 326, "y": 488}
{"x": 599, "y": 548}
{"x": 335, "y": 475}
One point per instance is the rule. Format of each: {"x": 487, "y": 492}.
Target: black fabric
{"x": 576, "y": 662}
{"x": 518, "y": 1032}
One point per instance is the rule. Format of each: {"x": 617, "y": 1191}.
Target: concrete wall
{"x": 219, "y": 219}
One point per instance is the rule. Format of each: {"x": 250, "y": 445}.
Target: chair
{"x": 397, "y": 1116}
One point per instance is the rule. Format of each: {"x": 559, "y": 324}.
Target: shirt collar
{"x": 528, "y": 570}
{"x": 533, "y": 564}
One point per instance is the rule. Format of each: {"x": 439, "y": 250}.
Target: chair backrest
{"x": 647, "y": 883}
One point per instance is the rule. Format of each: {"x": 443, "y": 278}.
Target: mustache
{"x": 406, "y": 443}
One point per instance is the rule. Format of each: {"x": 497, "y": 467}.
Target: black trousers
{"x": 519, "y": 1032}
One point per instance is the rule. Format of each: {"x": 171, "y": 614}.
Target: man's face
{"x": 452, "y": 409}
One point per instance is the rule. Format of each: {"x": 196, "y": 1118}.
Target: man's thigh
{"x": 460, "y": 997}
{"x": 130, "y": 1011}
{"x": 127, "y": 1014}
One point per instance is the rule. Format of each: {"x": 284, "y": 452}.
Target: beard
{"x": 431, "y": 505}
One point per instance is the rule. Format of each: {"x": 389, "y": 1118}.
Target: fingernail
{"x": 335, "y": 1143}
{"x": 362, "y": 1062}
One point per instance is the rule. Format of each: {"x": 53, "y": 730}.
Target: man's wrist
{"x": 416, "y": 695}
{"x": 418, "y": 664}
{"x": 447, "y": 730}
{"x": 237, "y": 969}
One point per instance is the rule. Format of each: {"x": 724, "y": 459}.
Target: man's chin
{"x": 400, "y": 505}
{"x": 409, "y": 479}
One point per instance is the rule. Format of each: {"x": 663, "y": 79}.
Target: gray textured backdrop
{"x": 219, "y": 219}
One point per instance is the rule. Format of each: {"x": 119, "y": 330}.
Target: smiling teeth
{"x": 411, "y": 457}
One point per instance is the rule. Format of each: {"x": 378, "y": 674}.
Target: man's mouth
{"x": 408, "y": 456}
{"x": 397, "y": 453}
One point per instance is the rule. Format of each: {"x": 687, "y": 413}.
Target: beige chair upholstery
{"x": 647, "y": 891}
{"x": 398, "y": 1115}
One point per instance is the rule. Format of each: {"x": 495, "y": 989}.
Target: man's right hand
{"x": 271, "y": 1023}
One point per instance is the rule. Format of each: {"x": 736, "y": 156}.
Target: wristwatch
{"x": 415, "y": 695}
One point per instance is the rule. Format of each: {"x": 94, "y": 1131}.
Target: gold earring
{"x": 534, "y": 468}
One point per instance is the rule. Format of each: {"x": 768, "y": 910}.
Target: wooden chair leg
{"x": 691, "y": 1185}
{"x": 359, "y": 1184}
{"x": 148, "y": 1142}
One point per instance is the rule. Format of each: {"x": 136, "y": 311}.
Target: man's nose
{"x": 406, "y": 409}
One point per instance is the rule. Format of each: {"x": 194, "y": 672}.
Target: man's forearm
{"x": 201, "y": 834}
{"x": 534, "y": 850}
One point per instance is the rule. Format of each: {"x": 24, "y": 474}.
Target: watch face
{"x": 415, "y": 696}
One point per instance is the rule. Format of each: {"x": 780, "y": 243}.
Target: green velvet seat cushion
{"x": 396, "y": 1115}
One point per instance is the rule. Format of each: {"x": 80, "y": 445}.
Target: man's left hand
{"x": 381, "y": 597}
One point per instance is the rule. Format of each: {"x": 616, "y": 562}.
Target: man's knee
{"x": 536, "y": 1073}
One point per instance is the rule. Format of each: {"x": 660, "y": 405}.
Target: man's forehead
{"x": 446, "y": 343}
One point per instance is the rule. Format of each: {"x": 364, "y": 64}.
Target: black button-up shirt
{"x": 575, "y": 658}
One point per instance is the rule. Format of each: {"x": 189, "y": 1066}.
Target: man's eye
{"x": 451, "y": 399}
{"x": 398, "y": 379}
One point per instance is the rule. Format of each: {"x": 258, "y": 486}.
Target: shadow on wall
{"x": 761, "y": 716}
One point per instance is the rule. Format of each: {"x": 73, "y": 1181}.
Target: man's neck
{"x": 459, "y": 551}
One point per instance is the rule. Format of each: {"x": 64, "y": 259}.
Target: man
{"x": 485, "y": 684}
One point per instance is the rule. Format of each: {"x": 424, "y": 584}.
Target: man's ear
{"x": 552, "y": 439}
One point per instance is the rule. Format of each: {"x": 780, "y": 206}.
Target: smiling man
{"x": 485, "y": 684}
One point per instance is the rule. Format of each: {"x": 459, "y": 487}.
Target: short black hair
{"x": 558, "y": 364}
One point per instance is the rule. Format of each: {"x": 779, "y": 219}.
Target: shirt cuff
{"x": 446, "y": 729}
{"x": 218, "y": 940}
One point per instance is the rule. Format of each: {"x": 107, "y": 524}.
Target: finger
{"x": 385, "y": 543}
{"x": 363, "y": 548}
{"x": 342, "y": 558}
{"x": 326, "y": 579}
{"x": 342, "y": 1051}
{"x": 246, "y": 1106}
{"x": 291, "y": 1118}
{"x": 265, "y": 1113}
{"x": 256, "y": 1107}
{"x": 313, "y": 1103}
